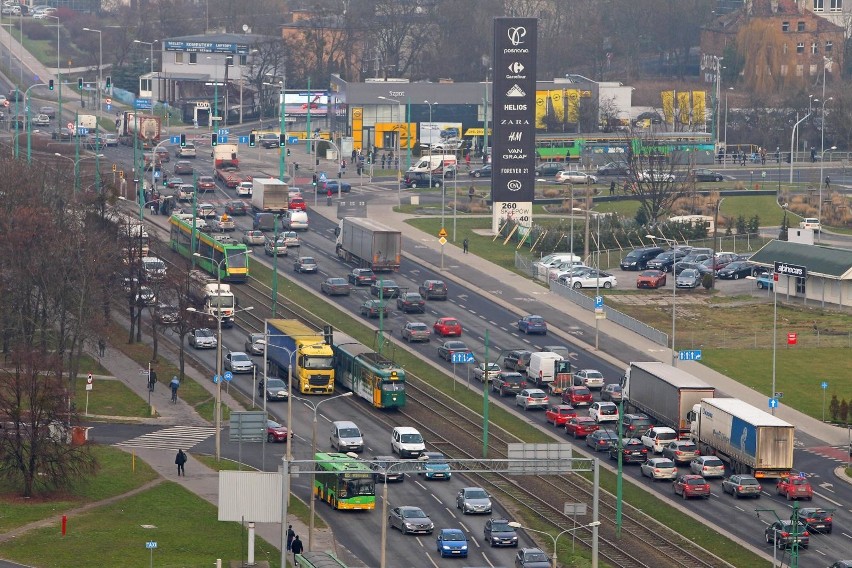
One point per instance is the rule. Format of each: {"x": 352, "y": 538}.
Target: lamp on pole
{"x": 282, "y": 168}
{"x": 100, "y": 63}
{"x": 398, "y": 149}
{"x": 826, "y": 61}
{"x": 219, "y": 317}
{"x": 674, "y": 289}
{"x": 151, "y": 45}
{"x": 716, "y": 96}
{"x": 792, "y": 147}
{"x": 443, "y": 188}
{"x": 315, "y": 407}
{"x": 58, "y": 70}
{"x": 554, "y": 538}
{"x": 727, "y": 92}
{"x": 77, "y": 167}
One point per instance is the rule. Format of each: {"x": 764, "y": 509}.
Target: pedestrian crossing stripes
{"x": 840, "y": 454}
{"x": 172, "y": 438}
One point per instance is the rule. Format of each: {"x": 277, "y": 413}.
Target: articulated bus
{"x": 344, "y": 482}
{"x": 368, "y": 374}
{"x": 573, "y": 147}
{"x": 211, "y": 251}
{"x": 318, "y": 559}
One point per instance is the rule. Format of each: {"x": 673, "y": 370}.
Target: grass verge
{"x": 183, "y": 525}
{"x": 109, "y": 398}
{"x": 113, "y": 477}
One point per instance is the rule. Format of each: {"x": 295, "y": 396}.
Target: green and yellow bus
{"x": 211, "y": 251}
{"x": 368, "y": 374}
{"x": 344, "y": 482}
{"x": 615, "y": 146}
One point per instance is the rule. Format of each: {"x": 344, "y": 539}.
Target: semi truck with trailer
{"x": 270, "y": 195}
{"x": 212, "y": 298}
{"x": 369, "y": 244}
{"x": 663, "y": 392}
{"x": 750, "y": 440}
{"x": 144, "y": 127}
{"x": 304, "y": 354}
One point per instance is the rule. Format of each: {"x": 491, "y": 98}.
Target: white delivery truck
{"x": 434, "y": 163}
{"x": 542, "y": 368}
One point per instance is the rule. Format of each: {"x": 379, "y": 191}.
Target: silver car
{"x": 202, "y": 338}
{"x": 254, "y": 238}
{"x": 659, "y": 468}
{"x": 256, "y": 343}
{"x": 707, "y": 466}
{"x": 689, "y": 278}
{"x": 473, "y": 500}
{"x": 410, "y": 520}
{"x": 238, "y": 362}
{"x": 532, "y": 398}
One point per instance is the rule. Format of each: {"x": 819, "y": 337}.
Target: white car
{"x": 656, "y": 176}
{"x": 659, "y": 468}
{"x": 575, "y": 176}
{"x": 532, "y": 398}
{"x": 238, "y": 362}
{"x": 810, "y": 223}
{"x": 41, "y": 120}
{"x": 593, "y": 279}
{"x": 202, "y": 338}
{"x": 290, "y": 238}
{"x": 206, "y": 210}
{"x": 604, "y": 412}
{"x": 480, "y": 372}
{"x": 187, "y": 151}
{"x": 589, "y": 378}
{"x": 707, "y": 466}
{"x": 656, "y": 438}
{"x": 244, "y": 189}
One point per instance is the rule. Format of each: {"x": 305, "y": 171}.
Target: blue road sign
{"x": 824, "y": 385}
{"x": 689, "y": 355}
{"x": 82, "y": 131}
{"x": 174, "y": 139}
{"x": 323, "y": 177}
{"x": 243, "y": 139}
{"x": 228, "y": 376}
{"x": 223, "y": 139}
{"x": 142, "y": 104}
{"x": 224, "y": 131}
{"x": 463, "y": 358}
{"x": 773, "y": 403}
{"x": 109, "y": 106}
{"x": 156, "y": 174}
{"x": 151, "y": 544}
{"x": 598, "y": 302}
{"x": 215, "y": 379}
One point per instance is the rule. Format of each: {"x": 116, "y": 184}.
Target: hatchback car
{"x": 433, "y": 290}
{"x": 411, "y": 302}
{"x": 611, "y": 392}
{"x": 691, "y": 486}
{"x": 707, "y": 466}
{"x": 275, "y": 432}
{"x": 589, "y": 378}
{"x": 783, "y": 533}
{"x": 635, "y": 424}
{"x": 336, "y": 287}
{"x": 689, "y": 278}
{"x": 382, "y": 469}
{"x": 603, "y": 412}
{"x": 632, "y": 451}
{"x": 244, "y": 189}
{"x": 532, "y": 324}
{"x": 574, "y": 176}
{"x": 449, "y": 348}
{"x": 580, "y": 426}
{"x": 531, "y": 558}
{"x": 816, "y": 520}
{"x": 602, "y": 439}
{"x": 559, "y": 414}
{"x": 255, "y": 343}
{"x": 517, "y": 360}
{"x": 452, "y": 542}
{"x": 273, "y": 389}
{"x": 742, "y": 485}
{"x": 681, "y": 451}
{"x": 416, "y": 331}
{"x": 577, "y": 396}
{"x": 410, "y": 520}
{"x": 498, "y": 532}
{"x": 388, "y": 289}
{"x": 484, "y": 372}
{"x": 238, "y": 362}
{"x": 202, "y": 338}
{"x": 484, "y": 171}
{"x": 736, "y": 270}
{"x": 702, "y": 174}
{"x": 447, "y": 327}
{"x": 274, "y": 248}
{"x": 254, "y": 238}
{"x": 374, "y": 308}
{"x": 305, "y": 264}
{"x": 183, "y": 168}
{"x": 531, "y": 398}
{"x": 435, "y": 466}
{"x": 794, "y": 487}
{"x": 473, "y": 500}
{"x": 361, "y": 277}
{"x": 651, "y": 279}
{"x": 659, "y": 468}
{"x": 206, "y": 183}
{"x": 236, "y": 207}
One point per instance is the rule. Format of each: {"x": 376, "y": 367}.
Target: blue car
{"x": 334, "y": 186}
{"x": 436, "y": 467}
{"x": 532, "y": 324}
{"x": 452, "y": 542}
{"x": 766, "y": 281}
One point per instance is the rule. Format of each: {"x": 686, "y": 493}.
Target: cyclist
{"x": 174, "y": 384}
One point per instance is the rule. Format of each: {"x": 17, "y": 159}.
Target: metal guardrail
{"x": 617, "y": 317}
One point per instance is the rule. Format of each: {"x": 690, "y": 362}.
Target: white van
{"x": 153, "y": 268}
{"x": 542, "y": 367}
{"x": 434, "y": 163}
{"x": 346, "y": 437}
{"x": 407, "y": 442}
{"x": 543, "y": 265}
{"x": 295, "y": 220}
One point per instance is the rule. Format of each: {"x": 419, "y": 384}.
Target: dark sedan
{"x": 632, "y": 451}
{"x": 236, "y": 207}
{"x": 206, "y": 183}
{"x": 702, "y": 174}
{"x": 549, "y": 168}
{"x": 484, "y": 171}
{"x": 736, "y": 270}
{"x": 601, "y": 440}
{"x": 387, "y": 288}
{"x": 373, "y": 308}
{"x": 183, "y": 167}
{"x": 613, "y": 169}
{"x": 336, "y": 287}
{"x": 411, "y": 302}
{"x": 448, "y": 348}
{"x": 334, "y": 187}
{"x": 361, "y": 277}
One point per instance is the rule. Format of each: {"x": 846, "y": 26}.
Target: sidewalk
{"x": 477, "y": 269}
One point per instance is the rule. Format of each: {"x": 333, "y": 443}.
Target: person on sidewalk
{"x": 290, "y": 534}
{"x": 102, "y": 345}
{"x": 180, "y": 459}
{"x": 465, "y": 244}
{"x": 152, "y": 380}
{"x": 174, "y": 385}
{"x": 297, "y": 547}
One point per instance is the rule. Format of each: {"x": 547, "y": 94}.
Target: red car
{"x": 446, "y": 327}
{"x": 206, "y": 183}
{"x": 298, "y": 204}
{"x": 580, "y": 426}
{"x": 651, "y": 279}
{"x": 577, "y": 396}
{"x": 275, "y": 432}
{"x": 794, "y": 487}
{"x": 559, "y": 414}
{"x": 692, "y": 486}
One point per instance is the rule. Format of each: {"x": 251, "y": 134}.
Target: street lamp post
{"x": 826, "y": 61}
{"x": 726, "y": 122}
{"x": 58, "y": 70}
{"x": 674, "y": 290}
{"x": 151, "y": 45}
{"x": 443, "y": 188}
{"x": 282, "y": 169}
{"x": 398, "y": 149}
{"x": 555, "y": 539}
{"x": 313, "y": 406}
{"x": 77, "y": 166}
{"x": 389, "y": 469}
{"x": 792, "y": 139}
{"x": 219, "y": 317}
{"x": 100, "y": 63}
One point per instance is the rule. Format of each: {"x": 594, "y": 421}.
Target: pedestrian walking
{"x": 827, "y": 183}
{"x": 612, "y": 188}
{"x": 152, "y": 380}
{"x": 297, "y": 547}
{"x": 813, "y": 154}
{"x": 383, "y": 160}
{"x": 465, "y": 245}
{"x": 471, "y": 193}
{"x": 153, "y": 208}
{"x": 467, "y": 159}
{"x": 290, "y": 534}
{"x": 102, "y": 344}
{"x": 174, "y": 385}
{"x": 763, "y": 156}
{"x": 180, "y": 459}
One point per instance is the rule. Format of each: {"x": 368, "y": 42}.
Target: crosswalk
{"x": 172, "y": 438}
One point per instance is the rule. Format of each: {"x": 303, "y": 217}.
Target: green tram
{"x": 368, "y": 374}
{"x": 344, "y": 482}
{"x": 318, "y": 559}
{"x": 615, "y": 147}
{"x": 211, "y": 251}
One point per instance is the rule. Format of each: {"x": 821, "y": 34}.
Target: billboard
{"x": 297, "y": 103}
{"x": 435, "y": 132}
{"x": 514, "y": 106}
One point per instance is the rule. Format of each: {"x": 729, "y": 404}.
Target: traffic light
{"x": 80, "y": 83}
{"x": 252, "y": 140}
{"x": 214, "y": 139}
{"x": 183, "y": 140}
{"x": 108, "y": 82}
{"x": 282, "y": 139}
{"x": 315, "y": 180}
{"x": 50, "y": 84}
{"x": 165, "y": 180}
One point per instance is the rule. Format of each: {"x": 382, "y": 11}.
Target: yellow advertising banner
{"x": 540, "y": 109}
{"x": 699, "y": 107}
{"x": 668, "y": 106}
{"x": 683, "y": 107}
{"x": 358, "y": 128}
{"x": 573, "y": 96}
{"x": 557, "y": 100}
